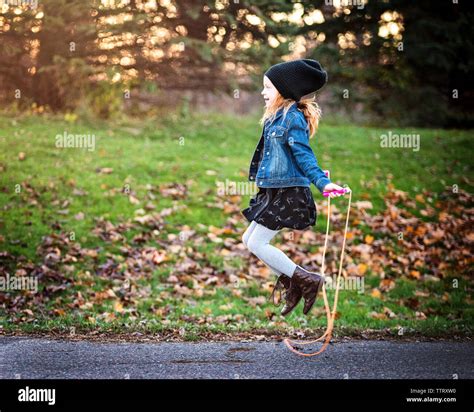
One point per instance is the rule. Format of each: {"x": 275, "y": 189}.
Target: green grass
{"x": 199, "y": 151}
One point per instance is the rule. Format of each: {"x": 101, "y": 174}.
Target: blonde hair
{"x": 308, "y": 107}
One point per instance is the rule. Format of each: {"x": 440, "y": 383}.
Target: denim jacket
{"x": 283, "y": 156}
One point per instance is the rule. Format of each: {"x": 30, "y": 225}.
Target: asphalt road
{"x": 33, "y": 358}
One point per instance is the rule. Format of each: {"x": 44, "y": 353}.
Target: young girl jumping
{"x": 284, "y": 166}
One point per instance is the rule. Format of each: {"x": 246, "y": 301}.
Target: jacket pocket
{"x": 276, "y": 132}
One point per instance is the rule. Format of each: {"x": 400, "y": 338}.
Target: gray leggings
{"x": 257, "y": 239}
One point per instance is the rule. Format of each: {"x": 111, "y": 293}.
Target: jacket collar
{"x": 279, "y": 112}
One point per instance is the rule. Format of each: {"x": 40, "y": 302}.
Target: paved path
{"x": 31, "y": 358}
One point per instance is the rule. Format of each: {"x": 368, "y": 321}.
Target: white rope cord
{"x": 330, "y": 315}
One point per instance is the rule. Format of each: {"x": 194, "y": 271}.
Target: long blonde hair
{"x": 308, "y": 107}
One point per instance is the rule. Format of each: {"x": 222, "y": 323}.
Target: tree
{"x": 403, "y": 60}
{"x": 47, "y": 52}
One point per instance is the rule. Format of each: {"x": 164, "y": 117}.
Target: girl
{"x": 284, "y": 166}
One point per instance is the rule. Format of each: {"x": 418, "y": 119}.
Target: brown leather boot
{"x": 309, "y": 283}
{"x": 292, "y": 297}
{"x": 283, "y": 282}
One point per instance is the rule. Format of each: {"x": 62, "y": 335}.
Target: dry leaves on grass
{"x": 390, "y": 244}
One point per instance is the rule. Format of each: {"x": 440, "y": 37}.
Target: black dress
{"x": 276, "y": 208}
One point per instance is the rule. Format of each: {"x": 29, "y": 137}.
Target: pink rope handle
{"x": 342, "y": 192}
{"x": 339, "y": 192}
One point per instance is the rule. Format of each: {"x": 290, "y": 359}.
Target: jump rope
{"x": 330, "y": 315}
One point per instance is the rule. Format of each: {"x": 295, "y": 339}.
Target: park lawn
{"x": 198, "y": 151}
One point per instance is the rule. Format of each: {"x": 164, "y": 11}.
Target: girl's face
{"x": 269, "y": 91}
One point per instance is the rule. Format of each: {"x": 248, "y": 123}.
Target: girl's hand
{"x": 332, "y": 188}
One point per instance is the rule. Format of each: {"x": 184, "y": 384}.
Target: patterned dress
{"x": 276, "y": 208}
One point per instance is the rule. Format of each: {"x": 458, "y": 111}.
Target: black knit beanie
{"x": 297, "y": 78}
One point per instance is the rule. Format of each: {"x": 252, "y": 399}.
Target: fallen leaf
{"x": 369, "y": 239}
{"x": 118, "y": 307}
{"x": 376, "y": 293}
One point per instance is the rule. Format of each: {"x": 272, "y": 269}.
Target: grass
{"x": 199, "y": 151}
